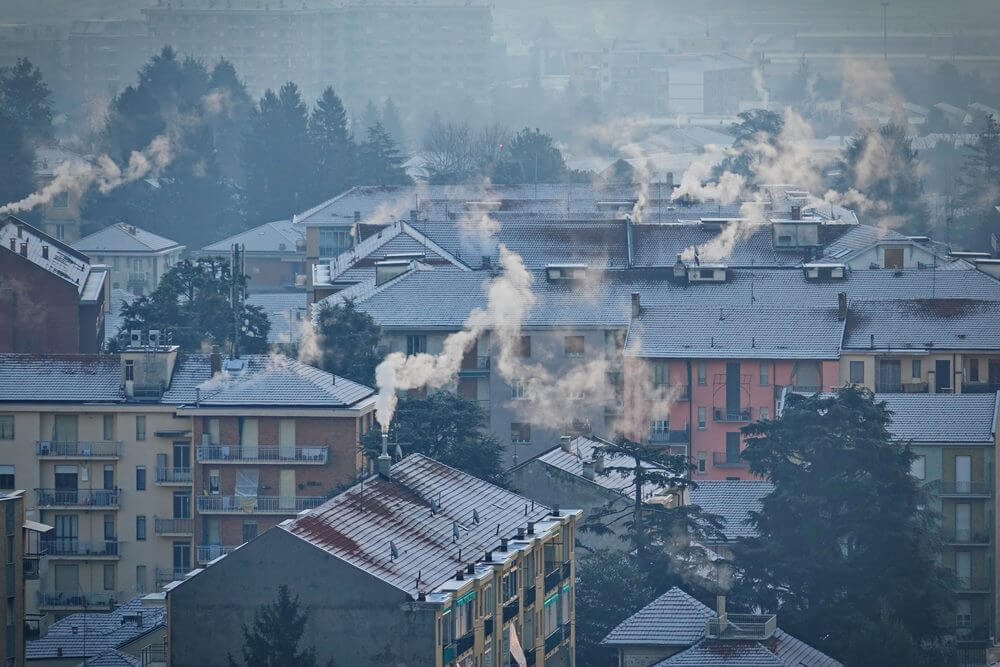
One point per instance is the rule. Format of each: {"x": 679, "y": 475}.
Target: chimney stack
{"x": 598, "y": 461}
{"x": 460, "y": 576}
{"x": 636, "y": 305}
{"x": 357, "y": 216}
{"x": 841, "y": 306}
{"x": 588, "y": 470}
{"x": 531, "y": 528}
{"x": 564, "y": 442}
{"x": 796, "y": 212}
{"x": 384, "y": 462}
{"x": 503, "y": 544}
{"x": 216, "y": 361}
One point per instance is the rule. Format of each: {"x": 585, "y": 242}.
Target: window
{"x": 661, "y": 373}
{"x": 249, "y": 530}
{"x": 60, "y": 200}
{"x": 765, "y": 377}
{"x": 7, "y": 478}
{"x": 109, "y": 476}
{"x": 765, "y": 414}
{"x": 6, "y": 427}
{"x": 109, "y": 427}
{"x": 213, "y": 481}
{"x": 702, "y": 462}
{"x": 963, "y": 613}
{"x": 702, "y": 417}
{"x": 857, "y": 372}
{"x": 109, "y": 527}
{"x": 915, "y": 369}
{"x": 701, "y": 372}
{"x": 140, "y": 427}
{"x": 182, "y": 504}
{"x": 525, "y": 347}
{"x": 463, "y": 617}
{"x": 140, "y": 578}
{"x": 416, "y": 344}
{"x": 332, "y": 242}
{"x": 520, "y": 432}
{"x": 974, "y": 370}
{"x": 129, "y": 369}
{"x": 516, "y": 389}
{"x": 109, "y": 577}
{"x": 659, "y": 427}
{"x": 573, "y": 346}
{"x": 140, "y": 478}
{"x": 509, "y": 585}
{"x": 140, "y": 527}
{"x": 918, "y": 467}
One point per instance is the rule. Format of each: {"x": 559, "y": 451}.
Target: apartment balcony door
{"x": 963, "y": 522}
{"x": 732, "y": 447}
{"x": 733, "y": 388}
{"x": 248, "y": 437}
{"x": 286, "y": 439}
{"x": 963, "y": 474}
{"x": 963, "y": 569}
{"x": 182, "y": 455}
{"x": 286, "y": 484}
{"x": 890, "y": 376}
{"x": 942, "y": 375}
{"x": 67, "y": 579}
{"x": 182, "y": 504}
{"x": 64, "y": 428}
{"x": 67, "y": 532}
{"x": 67, "y": 484}
{"x": 182, "y": 557}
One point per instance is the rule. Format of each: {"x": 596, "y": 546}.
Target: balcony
{"x": 511, "y": 609}
{"x": 79, "y": 449}
{"x": 966, "y": 537}
{"x": 309, "y": 455}
{"x": 464, "y": 643}
{"x": 757, "y": 627}
{"x": 164, "y": 575}
{"x": 724, "y": 415}
{"x": 173, "y": 476}
{"x": 206, "y": 553}
{"x": 154, "y": 654}
{"x": 671, "y": 437}
{"x": 70, "y": 548}
{"x": 964, "y": 489}
{"x": 257, "y": 504}
{"x": 553, "y": 577}
{"x": 723, "y": 460}
{"x": 80, "y": 601}
{"x": 87, "y": 499}
{"x": 173, "y": 527}
{"x": 980, "y": 387}
{"x": 553, "y": 640}
{"x": 972, "y": 583}
{"x": 475, "y": 367}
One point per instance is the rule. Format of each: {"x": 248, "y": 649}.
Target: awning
{"x": 36, "y": 526}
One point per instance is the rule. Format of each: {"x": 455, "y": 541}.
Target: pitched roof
{"x": 714, "y": 653}
{"x": 733, "y": 501}
{"x": 91, "y": 633}
{"x": 951, "y": 324}
{"x": 90, "y": 378}
{"x": 69, "y": 264}
{"x": 122, "y": 238}
{"x": 673, "y": 619}
{"x": 285, "y": 311}
{"x": 659, "y": 245}
{"x": 358, "y": 525}
{"x": 942, "y": 417}
{"x": 280, "y": 236}
{"x": 111, "y": 659}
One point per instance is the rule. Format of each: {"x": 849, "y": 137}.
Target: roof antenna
{"x": 498, "y": 528}
{"x": 454, "y": 532}
{"x": 475, "y": 517}
{"x": 394, "y": 553}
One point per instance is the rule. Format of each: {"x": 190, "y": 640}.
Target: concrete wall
{"x": 354, "y": 619}
{"x": 43, "y": 307}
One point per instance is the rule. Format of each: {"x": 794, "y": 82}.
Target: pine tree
{"x": 349, "y": 342}
{"x": 17, "y": 168}
{"x": 979, "y": 183}
{"x": 273, "y": 638}
{"x": 229, "y": 107}
{"x": 332, "y": 146}
{"x": 531, "y": 157}
{"x": 392, "y": 122}
{"x": 26, "y": 98}
{"x": 379, "y": 160}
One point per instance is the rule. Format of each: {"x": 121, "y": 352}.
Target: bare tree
{"x": 454, "y": 152}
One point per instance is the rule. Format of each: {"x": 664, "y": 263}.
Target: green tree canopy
{"x": 846, "y": 537}
{"x": 193, "y": 305}
{"x": 755, "y": 129}
{"x": 230, "y": 106}
{"x": 531, "y": 157}
{"x": 17, "y": 168}
{"x": 348, "y": 342}
{"x": 332, "y": 146}
{"x": 272, "y": 640}
{"x": 26, "y": 98}
{"x": 379, "y": 159}
{"x": 447, "y": 428}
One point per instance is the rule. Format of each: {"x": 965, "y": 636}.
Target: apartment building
{"x": 116, "y": 451}
{"x": 104, "y": 56}
{"x": 21, "y": 554}
{"x": 137, "y": 259}
{"x": 954, "y": 439}
{"x": 52, "y": 298}
{"x": 60, "y": 216}
{"x": 419, "y": 564}
{"x": 274, "y": 255}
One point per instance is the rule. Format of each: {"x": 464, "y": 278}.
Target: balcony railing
{"x": 79, "y": 449}
{"x": 257, "y": 504}
{"x": 972, "y": 582}
{"x": 173, "y": 475}
{"x": 168, "y": 526}
{"x": 164, "y": 575}
{"x": 315, "y": 454}
{"x": 980, "y": 387}
{"x": 80, "y": 600}
{"x": 206, "y": 553}
{"x": 488, "y": 627}
{"x": 71, "y": 547}
{"x": 553, "y": 578}
{"x": 723, "y": 460}
{"x": 478, "y": 366}
{"x": 724, "y": 415}
{"x": 153, "y": 654}
{"x": 464, "y": 643}
{"x": 82, "y": 498}
{"x": 511, "y": 609}
{"x": 963, "y": 488}
{"x": 553, "y": 640}
{"x": 680, "y": 436}
{"x": 968, "y": 536}
{"x": 742, "y": 626}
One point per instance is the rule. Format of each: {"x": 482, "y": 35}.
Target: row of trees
{"x": 25, "y": 122}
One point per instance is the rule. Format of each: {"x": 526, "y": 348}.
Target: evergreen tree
{"x": 447, "y": 428}
{"x": 348, "y": 342}
{"x": 392, "y": 122}
{"x": 192, "y": 305}
{"x": 531, "y": 157}
{"x": 979, "y": 188}
{"x": 757, "y": 127}
{"x": 26, "y": 98}
{"x": 332, "y": 146}
{"x": 379, "y": 160}
{"x": 846, "y": 537}
{"x": 371, "y": 116}
{"x": 273, "y": 638}
{"x": 230, "y": 107}
{"x": 276, "y": 157}
{"x": 17, "y": 168}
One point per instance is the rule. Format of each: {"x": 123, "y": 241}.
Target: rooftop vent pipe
{"x": 588, "y": 470}
{"x": 564, "y": 442}
{"x": 599, "y": 461}
{"x": 636, "y": 305}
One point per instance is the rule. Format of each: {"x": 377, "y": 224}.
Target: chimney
{"x": 680, "y": 269}
{"x": 487, "y": 263}
{"x": 414, "y": 214}
{"x": 796, "y": 212}
{"x": 216, "y": 361}
{"x": 520, "y": 532}
{"x": 460, "y": 575}
{"x": 588, "y": 470}
{"x": 357, "y": 216}
{"x": 45, "y": 252}
{"x": 599, "y": 461}
{"x": 503, "y": 544}
{"x": 24, "y": 249}
{"x": 669, "y": 180}
{"x": 531, "y": 528}
{"x": 564, "y": 442}
{"x": 488, "y": 557}
{"x": 841, "y": 306}
{"x": 636, "y": 306}
{"x": 470, "y": 569}
{"x": 384, "y": 463}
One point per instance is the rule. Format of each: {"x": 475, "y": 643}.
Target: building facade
{"x": 137, "y": 259}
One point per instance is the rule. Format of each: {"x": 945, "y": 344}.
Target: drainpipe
{"x": 691, "y": 429}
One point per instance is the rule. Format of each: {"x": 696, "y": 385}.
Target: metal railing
{"x": 967, "y": 536}
{"x": 553, "y": 578}
{"x": 173, "y": 475}
{"x": 464, "y": 643}
{"x": 152, "y": 654}
{"x": 168, "y": 526}
{"x": 87, "y": 498}
{"x": 963, "y": 488}
{"x": 807, "y": 388}
{"x": 206, "y": 553}
{"x": 742, "y": 626}
{"x": 165, "y": 575}
{"x": 80, "y": 600}
{"x": 79, "y": 448}
{"x": 73, "y": 547}
{"x": 511, "y": 609}
{"x": 674, "y": 436}
{"x": 553, "y": 640}
{"x": 725, "y": 415}
{"x": 480, "y": 363}
{"x": 316, "y": 454}
{"x": 257, "y": 504}
{"x": 980, "y": 387}
{"x": 723, "y": 460}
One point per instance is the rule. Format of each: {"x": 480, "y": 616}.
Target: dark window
{"x": 182, "y": 504}
{"x": 416, "y": 344}
{"x": 109, "y": 477}
{"x": 732, "y": 447}
{"x": 974, "y": 370}
{"x": 7, "y": 477}
{"x": 6, "y": 427}
{"x": 130, "y": 370}
{"x": 525, "y": 347}
{"x": 520, "y": 432}
{"x": 915, "y": 369}
{"x": 573, "y": 346}
{"x": 249, "y": 530}
{"x": 140, "y": 527}
{"x": 109, "y": 526}
{"x": 702, "y": 459}
{"x": 140, "y": 478}
{"x": 857, "y": 372}
{"x": 706, "y": 274}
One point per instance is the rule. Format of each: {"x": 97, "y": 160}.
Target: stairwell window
{"x": 702, "y": 417}
{"x": 765, "y": 378}
{"x": 702, "y": 462}
{"x": 109, "y": 427}
{"x": 701, "y": 373}
{"x": 6, "y": 427}
{"x": 661, "y": 373}
{"x": 129, "y": 370}
{"x": 857, "y": 372}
